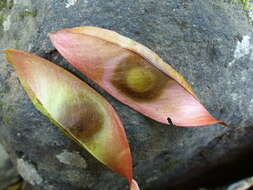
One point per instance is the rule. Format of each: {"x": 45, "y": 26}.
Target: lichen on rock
{"x": 8, "y": 173}
{"x": 72, "y": 158}
{"x": 28, "y": 172}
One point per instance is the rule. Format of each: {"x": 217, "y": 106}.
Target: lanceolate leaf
{"x": 77, "y": 109}
{"x": 133, "y": 74}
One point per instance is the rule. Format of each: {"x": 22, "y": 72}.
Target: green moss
{"x": 10, "y": 4}
{"x": 245, "y": 3}
{"x": 1, "y": 26}
{"x": 1, "y": 20}
{"x": 7, "y": 110}
{"x": 2, "y": 91}
{"x": 1, "y": 103}
{"x": 3, "y": 4}
{"x": 6, "y": 4}
{"x": 7, "y": 119}
{"x": 28, "y": 12}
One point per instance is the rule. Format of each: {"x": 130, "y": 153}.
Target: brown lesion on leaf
{"x": 138, "y": 79}
{"x": 83, "y": 120}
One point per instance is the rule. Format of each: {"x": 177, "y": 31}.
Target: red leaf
{"x": 76, "y": 108}
{"x": 133, "y": 74}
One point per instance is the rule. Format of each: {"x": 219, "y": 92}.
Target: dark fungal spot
{"x": 138, "y": 79}
{"x": 83, "y": 120}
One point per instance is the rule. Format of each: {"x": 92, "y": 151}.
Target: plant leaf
{"x": 133, "y": 74}
{"x": 76, "y": 108}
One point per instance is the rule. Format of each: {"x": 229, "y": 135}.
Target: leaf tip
{"x": 134, "y": 185}
{"x": 55, "y": 37}
{"x": 8, "y": 53}
{"x": 50, "y": 34}
{"x": 222, "y": 123}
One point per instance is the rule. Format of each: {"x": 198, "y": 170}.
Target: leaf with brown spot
{"x": 77, "y": 109}
{"x": 133, "y": 74}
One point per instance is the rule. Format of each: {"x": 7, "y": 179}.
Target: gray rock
{"x": 226, "y": 159}
{"x": 72, "y": 158}
{"x": 8, "y": 174}
{"x": 209, "y": 42}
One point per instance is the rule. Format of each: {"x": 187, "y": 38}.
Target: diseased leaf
{"x": 134, "y": 185}
{"x": 76, "y": 108}
{"x": 133, "y": 74}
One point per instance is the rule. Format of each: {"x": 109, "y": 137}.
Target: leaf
{"x": 16, "y": 186}
{"x": 133, "y": 74}
{"x": 76, "y": 108}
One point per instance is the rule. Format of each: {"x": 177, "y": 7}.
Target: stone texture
{"x": 72, "y": 158}
{"x": 8, "y": 174}
{"x": 209, "y": 42}
{"x": 226, "y": 159}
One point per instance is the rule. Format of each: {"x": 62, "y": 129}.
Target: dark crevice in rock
{"x": 20, "y": 154}
{"x": 50, "y": 55}
{"x": 226, "y": 159}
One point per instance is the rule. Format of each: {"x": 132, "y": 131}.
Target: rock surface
{"x": 224, "y": 160}
{"x": 209, "y": 42}
{"x": 8, "y": 174}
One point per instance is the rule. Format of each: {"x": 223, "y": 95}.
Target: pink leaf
{"x": 133, "y": 74}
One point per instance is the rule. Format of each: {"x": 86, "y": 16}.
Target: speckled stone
{"x": 8, "y": 174}
{"x": 208, "y": 42}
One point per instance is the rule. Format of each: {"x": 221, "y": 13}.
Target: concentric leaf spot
{"x": 136, "y": 78}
